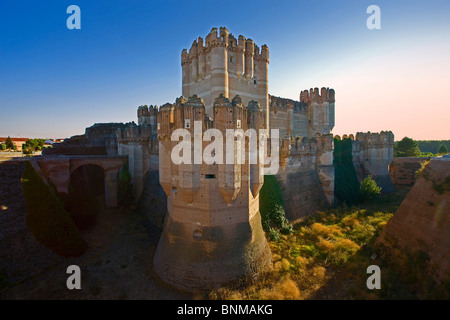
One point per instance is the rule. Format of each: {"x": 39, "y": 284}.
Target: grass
{"x": 326, "y": 256}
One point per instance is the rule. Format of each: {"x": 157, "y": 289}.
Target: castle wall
{"x": 307, "y": 174}
{"x": 403, "y": 170}
{"x": 288, "y": 116}
{"x": 372, "y": 155}
{"x": 138, "y": 144}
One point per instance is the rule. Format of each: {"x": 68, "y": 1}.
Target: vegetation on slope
{"x": 271, "y": 207}
{"x": 327, "y": 255}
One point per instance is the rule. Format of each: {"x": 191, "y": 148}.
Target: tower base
{"x": 193, "y": 259}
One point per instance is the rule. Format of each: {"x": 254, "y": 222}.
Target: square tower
{"x": 226, "y": 65}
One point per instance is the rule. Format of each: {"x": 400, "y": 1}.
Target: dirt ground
{"x": 118, "y": 265}
{"x": 8, "y": 155}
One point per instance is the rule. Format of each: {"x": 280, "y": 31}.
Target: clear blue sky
{"x": 54, "y": 82}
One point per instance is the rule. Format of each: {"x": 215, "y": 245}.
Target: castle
{"x": 212, "y": 232}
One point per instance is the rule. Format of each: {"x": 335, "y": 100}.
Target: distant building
{"x": 17, "y": 141}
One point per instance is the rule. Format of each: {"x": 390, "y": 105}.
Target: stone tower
{"x": 372, "y": 154}
{"x": 320, "y": 110}
{"x": 225, "y": 65}
{"x": 212, "y": 233}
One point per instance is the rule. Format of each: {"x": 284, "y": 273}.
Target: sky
{"x": 55, "y": 82}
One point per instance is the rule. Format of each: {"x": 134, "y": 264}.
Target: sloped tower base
{"x": 200, "y": 260}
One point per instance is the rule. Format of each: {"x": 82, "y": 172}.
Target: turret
{"x": 249, "y": 53}
{"x": 256, "y": 121}
{"x": 228, "y": 116}
{"x": 320, "y": 110}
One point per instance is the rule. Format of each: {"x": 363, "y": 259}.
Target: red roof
{"x": 14, "y": 139}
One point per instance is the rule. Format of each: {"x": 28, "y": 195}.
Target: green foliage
{"x": 34, "y": 144}
{"x": 407, "y": 147}
{"x": 2, "y": 146}
{"x": 346, "y": 185}
{"x": 369, "y": 189}
{"x": 26, "y": 150}
{"x": 432, "y": 146}
{"x": 271, "y": 207}
{"x": 9, "y": 144}
{"x": 442, "y": 149}
{"x": 47, "y": 220}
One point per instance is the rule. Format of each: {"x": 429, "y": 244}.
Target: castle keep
{"x": 212, "y": 231}
{"x": 225, "y": 65}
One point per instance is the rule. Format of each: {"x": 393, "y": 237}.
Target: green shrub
{"x": 442, "y": 149}
{"x": 2, "y": 146}
{"x": 274, "y": 235}
{"x": 271, "y": 207}
{"x": 369, "y": 189}
{"x": 47, "y": 220}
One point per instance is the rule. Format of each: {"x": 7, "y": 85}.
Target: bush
{"x": 442, "y": 149}
{"x": 47, "y": 220}
{"x": 272, "y": 208}
{"x": 26, "y": 150}
{"x": 369, "y": 189}
{"x": 2, "y": 146}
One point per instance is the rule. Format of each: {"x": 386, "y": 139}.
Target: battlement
{"x": 277, "y": 103}
{"x": 131, "y": 132}
{"x": 301, "y": 145}
{"x": 383, "y": 138}
{"x": 145, "y": 111}
{"x": 222, "y": 38}
{"x": 223, "y": 64}
{"x": 227, "y": 115}
{"x": 313, "y": 95}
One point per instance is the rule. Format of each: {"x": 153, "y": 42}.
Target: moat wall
{"x": 21, "y": 256}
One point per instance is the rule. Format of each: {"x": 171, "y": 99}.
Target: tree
{"x": 369, "y": 189}
{"x": 442, "y": 149}
{"x": 9, "y": 144}
{"x": 407, "y": 147}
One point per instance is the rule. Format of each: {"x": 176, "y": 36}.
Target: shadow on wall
{"x": 153, "y": 201}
